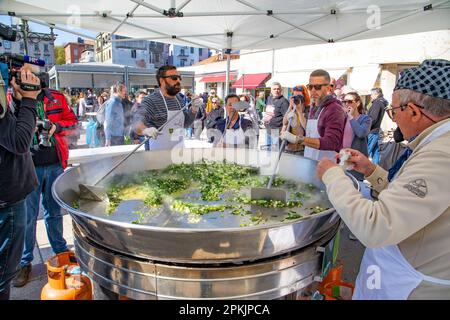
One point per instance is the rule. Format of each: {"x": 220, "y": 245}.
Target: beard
{"x": 173, "y": 90}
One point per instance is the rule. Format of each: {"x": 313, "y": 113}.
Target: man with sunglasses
{"x": 325, "y": 127}
{"x": 162, "y": 105}
{"x": 406, "y": 230}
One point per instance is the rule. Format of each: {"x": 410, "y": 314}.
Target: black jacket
{"x": 376, "y": 113}
{"x": 17, "y": 173}
{"x": 281, "y": 105}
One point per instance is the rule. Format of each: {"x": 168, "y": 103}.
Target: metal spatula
{"x": 98, "y": 193}
{"x": 270, "y": 193}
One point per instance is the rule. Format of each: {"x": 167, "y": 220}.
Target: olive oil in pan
{"x": 203, "y": 196}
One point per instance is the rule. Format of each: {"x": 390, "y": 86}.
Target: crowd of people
{"x": 403, "y": 222}
{"x": 328, "y": 116}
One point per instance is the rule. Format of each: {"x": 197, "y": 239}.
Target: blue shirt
{"x": 114, "y": 118}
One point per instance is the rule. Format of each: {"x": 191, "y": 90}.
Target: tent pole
{"x": 56, "y": 79}
{"x": 227, "y": 51}
{"x": 227, "y": 76}
{"x": 127, "y": 79}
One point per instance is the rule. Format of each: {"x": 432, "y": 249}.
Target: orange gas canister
{"x": 65, "y": 281}
{"x": 334, "y": 288}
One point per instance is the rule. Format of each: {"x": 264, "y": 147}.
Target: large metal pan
{"x": 188, "y": 244}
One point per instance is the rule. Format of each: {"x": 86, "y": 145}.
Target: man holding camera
{"x": 17, "y": 175}
{"x": 50, "y": 151}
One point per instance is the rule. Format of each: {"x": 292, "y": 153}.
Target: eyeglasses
{"x": 173, "y": 77}
{"x": 391, "y": 113}
{"x": 348, "y": 101}
{"x": 316, "y": 86}
{"x": 391, "y": 110}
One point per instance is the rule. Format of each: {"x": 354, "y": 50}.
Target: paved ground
{"x": 42, "y": 252}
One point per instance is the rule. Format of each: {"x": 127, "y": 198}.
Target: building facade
{"x": 40, "y": 45}
{"x": 74, "y": 50}
{"x": 134, "y": 53}
{"x": 184, "y": 56}
{"x": 361, "y": 64}
{"x": 87, "y": 56}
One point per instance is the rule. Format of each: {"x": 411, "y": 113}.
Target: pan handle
{"x": 140, "y": 144}
{"x": 283, "y": 144}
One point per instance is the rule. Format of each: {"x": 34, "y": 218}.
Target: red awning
{"x": 251, "y": 81}
{"x": 217, "y": 78}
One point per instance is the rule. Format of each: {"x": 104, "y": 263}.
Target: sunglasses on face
{"x": 173, "y": 77}
{"x": 316, "y": 86}
{"x": 348, "y": 101}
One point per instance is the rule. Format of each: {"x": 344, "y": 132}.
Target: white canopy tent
{"x": 229, "y": 25}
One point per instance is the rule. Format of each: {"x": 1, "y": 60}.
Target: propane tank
{"x": 65, "y": 280}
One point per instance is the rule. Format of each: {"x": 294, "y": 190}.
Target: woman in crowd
{"x": 296, "y": 114}
{"x": 213, "y": 118}
{"x": 82, "y": 106}
{"x": 356, "y": 128}
{"x": 251, "y": 113}
{"x": 101, "y": 99}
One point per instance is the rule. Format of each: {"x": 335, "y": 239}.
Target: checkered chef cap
{"x": 432, "y": 78}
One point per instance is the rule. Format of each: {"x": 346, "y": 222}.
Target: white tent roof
{"x": 238, "y": 24}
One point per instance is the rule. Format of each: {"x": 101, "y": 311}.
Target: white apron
{"x": 313, "y": 132}
{"x": 170, "y": 135}
{"x": 234, "y": 137}
{"x": 385, "y": 274}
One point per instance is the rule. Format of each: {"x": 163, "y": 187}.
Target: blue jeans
{"x": 13, "y": 221}
{"x": 189, "y": 132}
{"x": 372, "y": 146}
{"x": 52, "y": 213}
{"x": 272, "y": 139}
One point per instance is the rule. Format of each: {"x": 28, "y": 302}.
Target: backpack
{"x": 101, "y": 113}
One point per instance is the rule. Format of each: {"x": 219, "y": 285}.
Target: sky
{"x": 62, "y": 37}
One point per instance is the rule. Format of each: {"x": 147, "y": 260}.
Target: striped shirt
{"x": 153, "y": 113}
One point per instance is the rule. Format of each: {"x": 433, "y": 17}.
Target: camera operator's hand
{"x": 291, "y": 103}
{"x": 291, "y": 116}
{"x": 29, "y": 78}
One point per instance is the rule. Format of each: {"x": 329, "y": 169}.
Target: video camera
{"x": 15, "y": 62}
{"x": 43, "y": 127}
{"x": 298, "y": 98}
